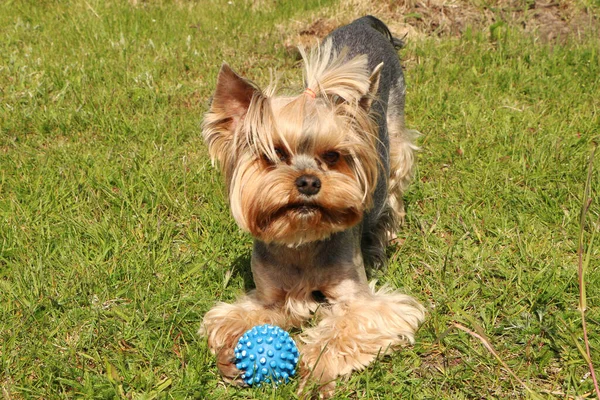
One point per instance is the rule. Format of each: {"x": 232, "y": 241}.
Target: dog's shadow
{"x": 241, "y": 267}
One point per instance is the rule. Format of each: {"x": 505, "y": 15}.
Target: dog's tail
{"x": 379, "y": 26}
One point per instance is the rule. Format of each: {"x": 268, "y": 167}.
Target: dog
{"x": 317, "y": 178}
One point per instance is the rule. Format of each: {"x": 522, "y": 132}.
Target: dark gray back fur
{"x": 370, "y": 36}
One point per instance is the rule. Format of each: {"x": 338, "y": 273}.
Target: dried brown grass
{"x": 548, "y": 20}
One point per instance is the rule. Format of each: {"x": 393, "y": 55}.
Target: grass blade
{"x": 582, "y": 267}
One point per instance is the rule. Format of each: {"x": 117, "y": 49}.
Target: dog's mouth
{"x": 297, "y": 211}
{"x": 300, "y": 208}
{"x": 299, "y": 222}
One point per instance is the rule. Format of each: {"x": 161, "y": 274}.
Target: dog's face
{"x": 297, "y": 168}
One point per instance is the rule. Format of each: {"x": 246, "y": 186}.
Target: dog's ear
{"x": 367, "y": 100}
{"x": 230, "y": 103}
{"x": 232, "y": 97}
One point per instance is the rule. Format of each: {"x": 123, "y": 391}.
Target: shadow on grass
{"x": 241, "y": 267}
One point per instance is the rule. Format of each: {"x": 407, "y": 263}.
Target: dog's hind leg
{"x": 402, "y": 163}
{"x": 402, "y": 156}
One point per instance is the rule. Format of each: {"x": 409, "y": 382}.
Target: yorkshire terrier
{"x": 317, "y": 179}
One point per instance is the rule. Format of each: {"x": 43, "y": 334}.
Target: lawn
{"x": 116, "y": 237}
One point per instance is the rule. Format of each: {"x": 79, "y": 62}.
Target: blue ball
{"x": 266, "y": 353}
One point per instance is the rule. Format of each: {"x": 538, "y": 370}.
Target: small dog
{"x": 317, "y": 179}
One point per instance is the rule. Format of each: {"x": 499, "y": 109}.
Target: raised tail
{"x": 379, "y": 26}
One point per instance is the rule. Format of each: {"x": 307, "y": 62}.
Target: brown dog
{"x": 317, "y": 179}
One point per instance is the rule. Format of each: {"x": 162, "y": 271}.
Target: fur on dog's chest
{"x": 300, "y": 271}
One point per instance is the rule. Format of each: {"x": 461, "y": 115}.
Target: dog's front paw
{"x": 317, "y": 377}
{"x": 223, "y": 333}
{"x": 309, "y": 390}
{"x": 224, "y": 324}
{"x": 227, "y": 368}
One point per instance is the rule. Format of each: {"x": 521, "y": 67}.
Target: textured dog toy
{"x": 266, "y": 353}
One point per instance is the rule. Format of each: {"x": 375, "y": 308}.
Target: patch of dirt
{"x": 548, "y": 20}
{"x": 436, "y": 361}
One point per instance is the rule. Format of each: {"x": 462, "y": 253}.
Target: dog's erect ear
{"x": 232, "y": 97}
{"x": 367, "y": 100}
{"x": 228, "y": 108}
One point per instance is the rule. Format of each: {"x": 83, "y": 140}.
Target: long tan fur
{"x": 307, "y": 261}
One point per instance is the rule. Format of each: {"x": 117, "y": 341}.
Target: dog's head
{"x": 297, "y": 168}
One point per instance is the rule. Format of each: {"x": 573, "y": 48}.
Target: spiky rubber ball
{"x": 266, "y": 354}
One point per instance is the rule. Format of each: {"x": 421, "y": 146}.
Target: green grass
{"x": 115, "y": 236}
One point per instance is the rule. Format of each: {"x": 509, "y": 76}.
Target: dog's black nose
{"x": 308, "y": 184}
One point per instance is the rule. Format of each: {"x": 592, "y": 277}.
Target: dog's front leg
{"x": 354, "y": 330}
{"x": 225, "y": 323}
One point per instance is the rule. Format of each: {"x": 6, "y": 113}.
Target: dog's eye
{"x": 266, "y": 159}
{"x": 281, "y": 153}
{"x": 337, "y": 100}
{"x": 330, "y": 157}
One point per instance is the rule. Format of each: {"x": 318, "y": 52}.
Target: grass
{"x": 115, "y": 236}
